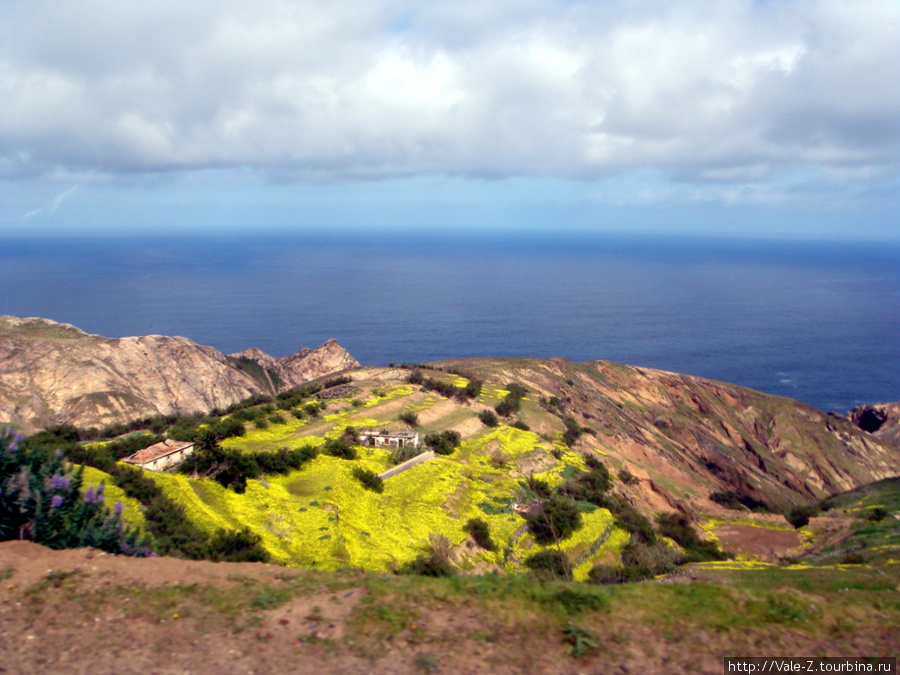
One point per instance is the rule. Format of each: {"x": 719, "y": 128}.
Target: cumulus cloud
{"x": 713, "y": 92}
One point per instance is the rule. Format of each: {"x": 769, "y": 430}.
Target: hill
{"x": 671, "y": 444}
{"x": 53, "y": 373}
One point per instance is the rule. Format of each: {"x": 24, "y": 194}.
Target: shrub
{"x": 409, "y": 418}
{"x": 540, "y": 488}
{"x": 877, "y": 514}
{"x": 488, "y": 418}
{"x": 731, "y": 500}
{"x": 277, "y": 418}
{"x": 627, "y": 477}
{"x": 369, "y": 479}
{"x": 415, "y": 377}
{"x": 552, "y": 564}
{"x": 498, "y": 458}
{"x": 481, "y": 533}
{"x": 437, "y": 563}
{"x": 340, "y": 449}
{"x": 404, "y": 454}
{"x": 676, "y": 526}
{"x": 473, "y": 388}
{"x": 606, "y": 574}
{"x": 799, "y": 515}
{"x": 237, "y": 546}
{"x": 555, "y": 520}
{"x": 443, "y": 443}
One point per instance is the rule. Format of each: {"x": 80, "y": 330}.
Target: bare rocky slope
{"x": 53, "y": 373}
{"x": 687, "y": 437}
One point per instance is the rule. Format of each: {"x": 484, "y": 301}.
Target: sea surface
{"x": 819, "y": 322}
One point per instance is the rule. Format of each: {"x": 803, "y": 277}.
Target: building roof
{"x": 388, "y": 434}
{"x": 157, "y": 450}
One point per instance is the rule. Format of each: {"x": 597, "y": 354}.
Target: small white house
{"x": 161, "y": 456}
{"x": 391, "y": 439}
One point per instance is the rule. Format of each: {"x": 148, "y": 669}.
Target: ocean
{"x": 815, "y": 321}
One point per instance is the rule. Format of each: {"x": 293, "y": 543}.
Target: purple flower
{"x": 90, "y": 496}
{"x": 58, "y": 482}
{"x": 118, "y": 508}
{"x": 56, "y": 501}
{"x": 19, "y": 437}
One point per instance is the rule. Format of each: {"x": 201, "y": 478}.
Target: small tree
{"x": 481, "y": 533}
{"x": 488, "y": 418}
{"x": 555, "y": 520}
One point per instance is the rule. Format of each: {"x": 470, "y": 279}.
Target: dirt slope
{"x": 81, "y": 611}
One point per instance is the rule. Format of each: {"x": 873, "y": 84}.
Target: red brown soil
{"x": 758, "y": 542}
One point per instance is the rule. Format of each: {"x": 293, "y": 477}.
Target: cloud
{"x": 708, "y": 92}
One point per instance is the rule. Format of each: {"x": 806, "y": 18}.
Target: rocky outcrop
{"x": 303, "y": 366}
{"x": 52, "y": 373}
{"x": 882, "y": 420}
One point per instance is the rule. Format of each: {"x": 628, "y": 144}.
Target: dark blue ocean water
{"x": 819, "y": 322}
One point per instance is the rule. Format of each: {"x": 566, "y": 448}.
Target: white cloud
{"x": 706, "y": 91}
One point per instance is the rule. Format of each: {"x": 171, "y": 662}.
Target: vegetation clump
{"x": 369, "y": 479}
{"x": 488, "y": 418}
{"x": 550, "y": 564}
{"x": 736, "y": 502}
{"x": 443, "y": 443}
{"x": 511, "y": 403}
{"x": 555, "y": 519}
{"x": 799, "y": 515}
{"x": 410, "y": 418}
{"x": 481, "y": 533}
{"x": 434, "y": 564}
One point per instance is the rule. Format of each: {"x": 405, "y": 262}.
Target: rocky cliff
{"x": 51, "y": 373}
{"x": 880, "y": 419}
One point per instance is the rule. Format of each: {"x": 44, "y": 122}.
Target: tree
{"x": 555, "y": 520}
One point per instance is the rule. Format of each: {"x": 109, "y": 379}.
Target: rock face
{"x": 303, "y": 366}
{"x": 52, "y": 373}
{"x": 881, "y": 420}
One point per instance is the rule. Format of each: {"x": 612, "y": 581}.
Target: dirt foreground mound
{"x": 83, "y": 611}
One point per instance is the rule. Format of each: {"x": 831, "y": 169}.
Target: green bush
{"x": 409, "y": 418}
{"x": 799, "y": 515}
{"x": 369, "y": 479}
{"x": 550, "y": 564}
{"x": 488, "y": 418}
{"x": 877, "y": 514}
{"x": 340, "y": 449}
{"x": 443, "y": 443}
{"x": 678, "y": 527}
{"x": 556, "y": 519}
{"x": 481, "y": 533}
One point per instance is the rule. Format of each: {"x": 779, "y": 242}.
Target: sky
{"x": 747, "y": 117}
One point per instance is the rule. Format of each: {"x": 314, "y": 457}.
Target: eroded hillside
{"x": 52, "y": 373}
